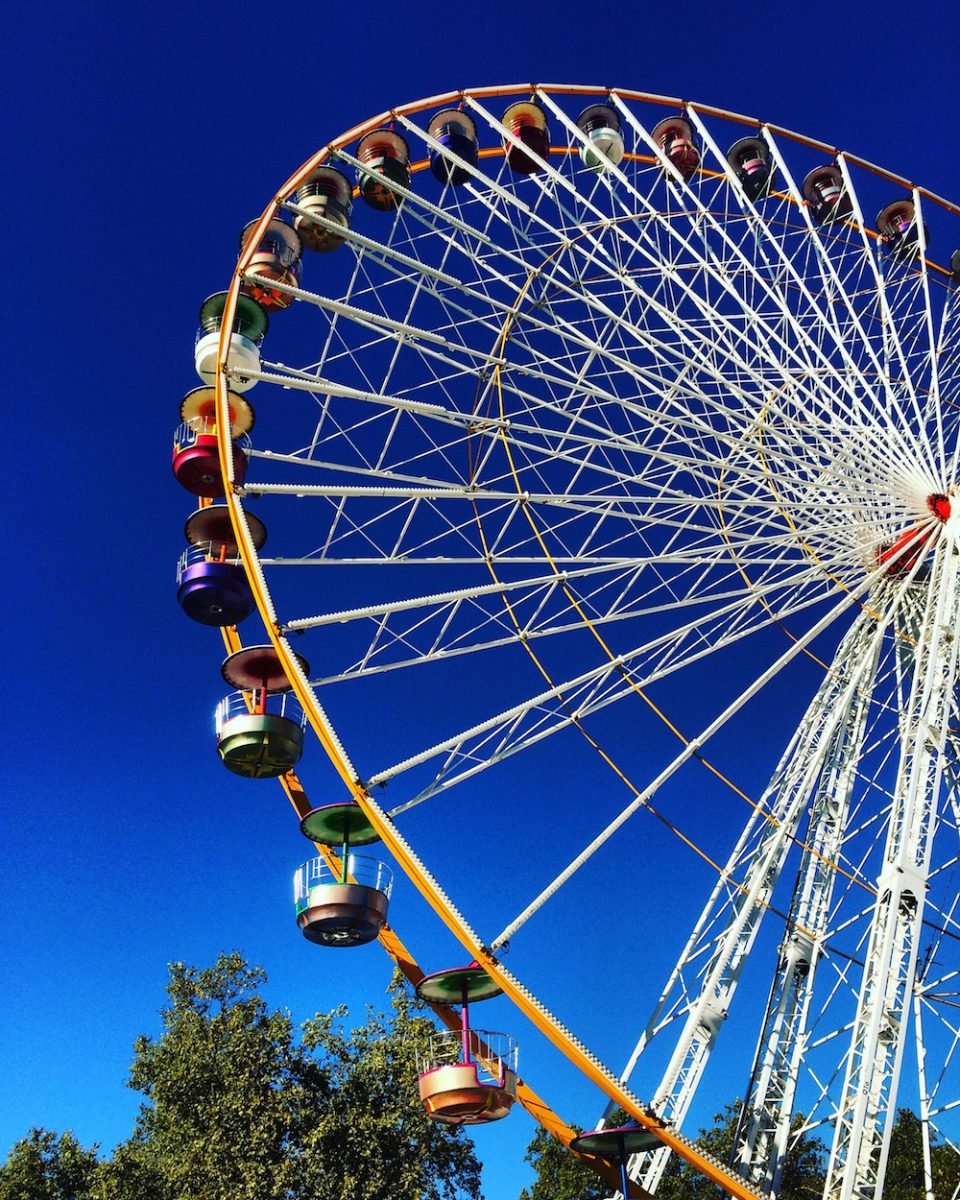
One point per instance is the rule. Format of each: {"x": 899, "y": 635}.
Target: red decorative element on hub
{"x": 903, "y": 554}
{"x": 939, "y": 505}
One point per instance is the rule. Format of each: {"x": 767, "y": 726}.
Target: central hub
{"x": 939, "y": 505}
{"x": 903, "y": 554}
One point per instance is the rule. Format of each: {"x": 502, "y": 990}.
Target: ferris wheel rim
{"x": 278, "y": 637}
{"x": 460, "y": 94}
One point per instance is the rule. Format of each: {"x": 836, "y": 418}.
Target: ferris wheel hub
{"x": 679, "y": 406}
{"x": 939, "y": 505}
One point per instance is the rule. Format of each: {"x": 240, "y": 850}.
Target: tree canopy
{"x": 560, "y": 1175}
{"x": 373, "y": 1137}
{"x": 240, "y": 1105}
{"x": 803, "y": 1171}
{"x": 228, "y": 1090}
{"x": 43, "y": 1166}
{"x": 905, "y": 1176}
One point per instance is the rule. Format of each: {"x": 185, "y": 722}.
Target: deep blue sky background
{"x": 138, "y": 142}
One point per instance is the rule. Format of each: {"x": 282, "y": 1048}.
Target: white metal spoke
{"x": 546, "y": 456}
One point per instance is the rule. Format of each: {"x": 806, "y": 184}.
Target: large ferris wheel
{"x": 608, "y": 452}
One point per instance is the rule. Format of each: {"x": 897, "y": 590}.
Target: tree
{"x": 225, "y": 1085}
{"x": 560, "y": 1175}
{"x": 803, "y": 1171}
{"x": 238, "y": 1107}
{"x": 132, "y": 1174}
{"x": 905, "y": 1178}
{"x": 373, "y": 1138}
{"x": 43, "y": 1166}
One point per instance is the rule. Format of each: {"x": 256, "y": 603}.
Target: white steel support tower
{"x": 608, "y": 445}
{"x": 820, "y": 761}
{"x": 865, "y": 1119}
{"x": 766, "y": 1118}
{"x": 819, "y": 774}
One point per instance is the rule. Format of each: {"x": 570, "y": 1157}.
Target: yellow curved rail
{"x": 411, "y": 970}
{"x": 570, "y": 1046}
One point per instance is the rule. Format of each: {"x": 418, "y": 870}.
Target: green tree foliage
{"x": 43, "y": 1166}
{"x": 226, "y": 1088}
{"x": 904, "y": 1179}
{"x": 803, "y": 1172}
{"x": 373, "y": 1137}
{"x": 560, "y": 1175}
{"x": 239, "y": 1106}
{"x": 134, "y": 1173}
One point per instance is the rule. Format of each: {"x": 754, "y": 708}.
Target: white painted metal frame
{"x": 613, "y": 428}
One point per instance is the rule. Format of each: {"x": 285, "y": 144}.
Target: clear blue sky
{"x": 138, "y": 142}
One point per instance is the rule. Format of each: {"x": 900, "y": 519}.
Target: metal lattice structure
{"x": 642, "y": 430}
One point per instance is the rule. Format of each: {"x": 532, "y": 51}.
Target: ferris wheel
{"x": 608, "y": 447}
